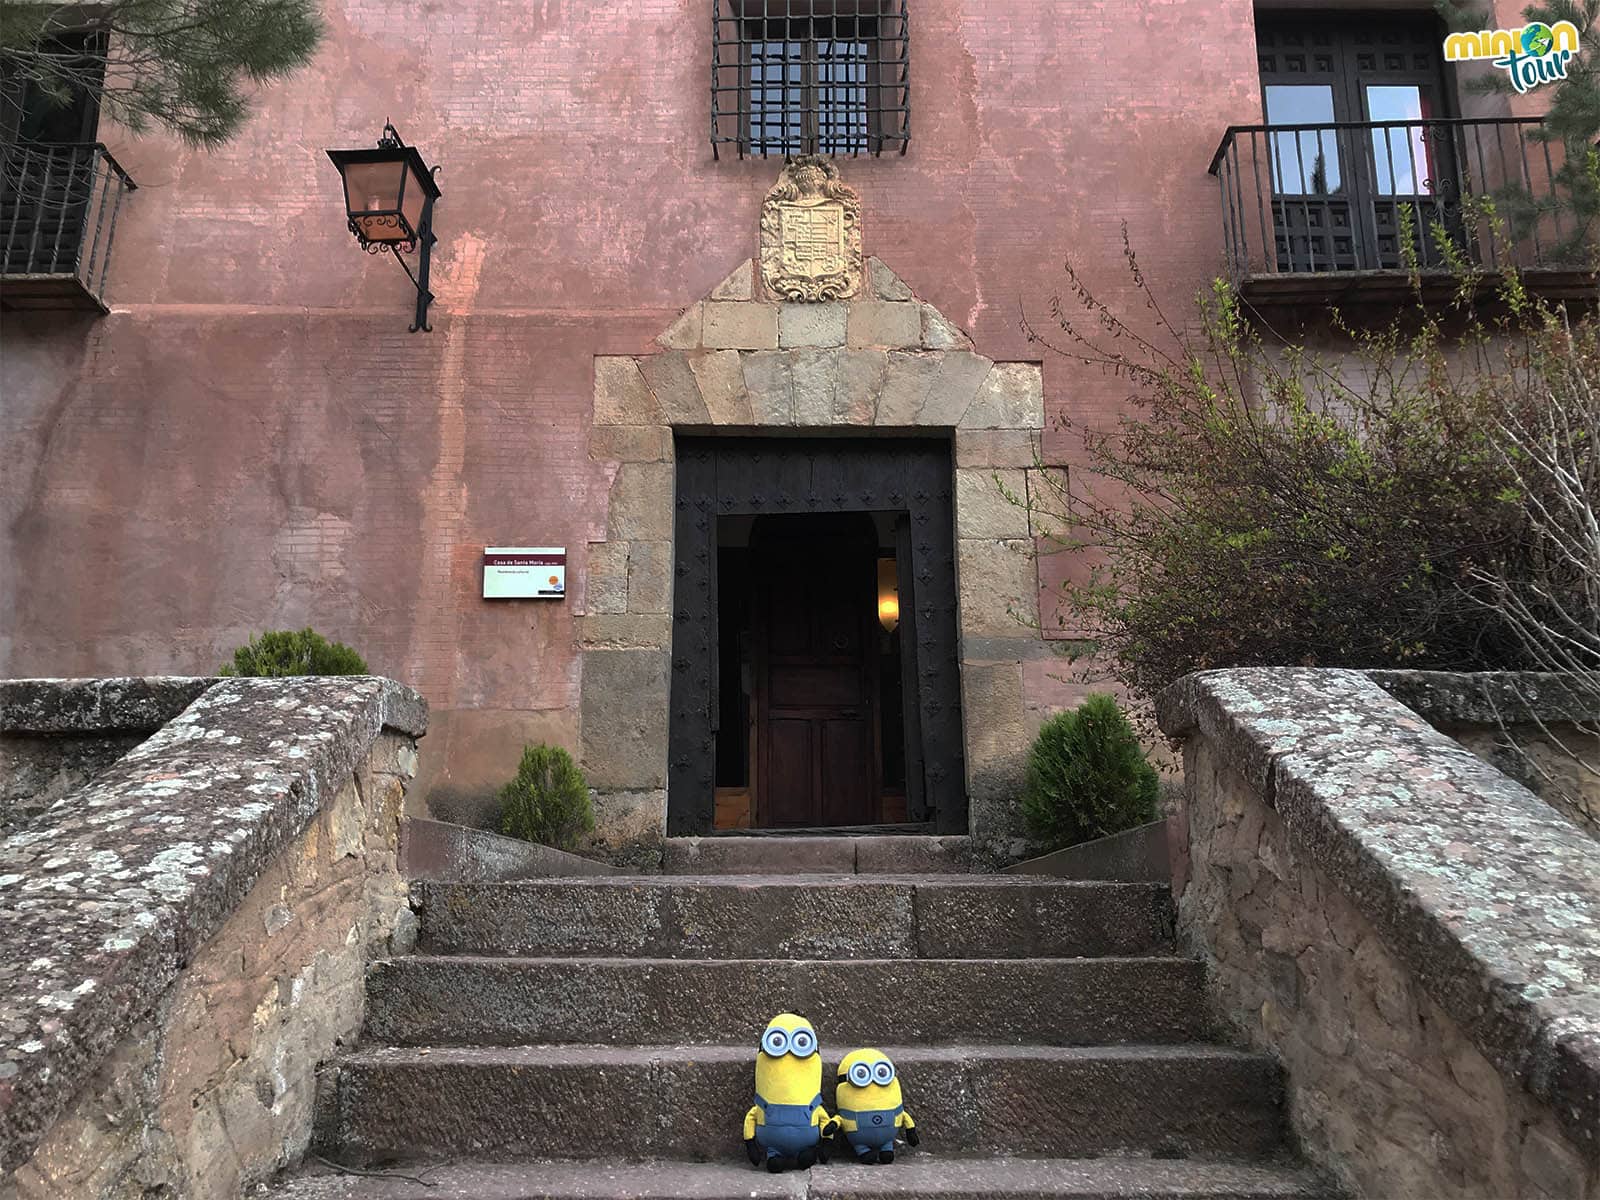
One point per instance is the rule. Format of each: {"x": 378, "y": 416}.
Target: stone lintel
{"x": 621, "y": 396}
{"x": 1012, "y": 397}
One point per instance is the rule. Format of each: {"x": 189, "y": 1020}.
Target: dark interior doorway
{"x": 811, "y": 728}
{"x": 815, "y": 681}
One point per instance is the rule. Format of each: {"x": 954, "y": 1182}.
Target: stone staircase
{"x": 595, "y": 1037}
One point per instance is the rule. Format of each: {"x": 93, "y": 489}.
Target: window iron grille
{"x": 793, "y": 77}
{"x": 58, "y": 216}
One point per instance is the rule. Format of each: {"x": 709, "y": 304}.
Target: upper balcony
{"x": 58, "y": 215}
{"x": 1321, "y": 213}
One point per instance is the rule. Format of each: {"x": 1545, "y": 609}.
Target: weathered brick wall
{"x": 254, "y": 417}
{"x": 216, "y": 1088}
{"x": 1415, "y": 935}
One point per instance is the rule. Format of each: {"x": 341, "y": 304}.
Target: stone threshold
{"x": 880, "y": 850}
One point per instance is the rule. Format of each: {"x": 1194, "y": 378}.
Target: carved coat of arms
{"x": 811, "y": 233}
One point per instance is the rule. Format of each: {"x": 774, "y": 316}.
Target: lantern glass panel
{"x": 375, "y": 188}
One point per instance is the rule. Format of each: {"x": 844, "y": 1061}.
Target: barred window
{"x": 809, "y": 76}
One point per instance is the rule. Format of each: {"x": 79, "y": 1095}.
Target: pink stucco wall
{"x": 252, "y": 439}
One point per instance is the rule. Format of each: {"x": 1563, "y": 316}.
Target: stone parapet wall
{"x": 189, "y": 939}
{"x": 1415, "y": 935}
{"x": 57, "y": 734}
{"x": 1541, "y": 729}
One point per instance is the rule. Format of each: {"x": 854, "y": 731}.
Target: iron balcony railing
{"x": 1347, "y": 196}
{"x": 58, "y": 216}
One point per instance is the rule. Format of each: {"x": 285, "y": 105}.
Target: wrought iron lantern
{"x": 388, "y": 198}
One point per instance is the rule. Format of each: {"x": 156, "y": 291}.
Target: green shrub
{"x": 548, "y": 801}
{"x": 1087, "y": 777}
{"x": 286, "y": 652}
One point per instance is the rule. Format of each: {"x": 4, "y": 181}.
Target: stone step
{"x": 513, "y": 1001}
{"x": 537, "y": 1102}
{"x": 836, "y": 854}
{"x": 823, "y": 916}
{"x": 915, "y": 1175}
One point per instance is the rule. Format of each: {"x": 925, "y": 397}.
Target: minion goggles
{"x": 881, "y": 1073}
{"x": 801, "y": 1043}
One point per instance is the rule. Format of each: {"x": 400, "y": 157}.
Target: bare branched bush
{"x": 1261, "y": 505}
{"x": 1546, "y": 590}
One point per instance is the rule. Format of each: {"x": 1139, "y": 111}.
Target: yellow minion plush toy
{"x": 870, "y": 1107}
{"x": 785, "y": 1126}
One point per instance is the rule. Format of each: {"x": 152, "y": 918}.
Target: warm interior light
{"x": 888, "y": 594}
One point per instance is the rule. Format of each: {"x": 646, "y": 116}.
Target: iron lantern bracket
{"x": 424, "y": 248}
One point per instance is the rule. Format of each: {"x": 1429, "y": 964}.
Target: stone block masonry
{"x": 189, "y": 935}
{"x": 882, "y": 362}
{"x": 1416, "y": 936}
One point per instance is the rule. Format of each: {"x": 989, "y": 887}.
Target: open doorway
{"x": 800, "y": 697}
{"x": 812, "y": 728}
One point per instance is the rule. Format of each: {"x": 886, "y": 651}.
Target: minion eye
{"x": 883, "y": 1073}
{"x": 775, "y": 1042}
{"x": 802, "y": 1043}
{"x": 861, "y": 1074}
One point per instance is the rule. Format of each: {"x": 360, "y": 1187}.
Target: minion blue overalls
{"x": 875, "y": 1128}
{"x": 786, "y": 1129}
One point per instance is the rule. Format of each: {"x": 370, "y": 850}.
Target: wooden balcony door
{"x": 1338, "y": 193}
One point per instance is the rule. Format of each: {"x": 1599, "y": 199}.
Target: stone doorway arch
{"x": 738, "y": 361}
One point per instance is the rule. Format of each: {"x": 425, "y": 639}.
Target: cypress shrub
{"x": 1088, "y": 777}
{"x": 288, "y": 652}
{"x": 548, "y": 801}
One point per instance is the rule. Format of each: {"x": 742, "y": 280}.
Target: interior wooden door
{"x": 815, "y": 686}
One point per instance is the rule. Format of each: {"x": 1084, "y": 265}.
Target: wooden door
{"x": 815, "y": 685}
{"x": 1338, "y": 187}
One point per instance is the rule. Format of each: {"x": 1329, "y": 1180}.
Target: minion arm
{"x": 751, "y": 1120}
{"x": 905, "y": 1122}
